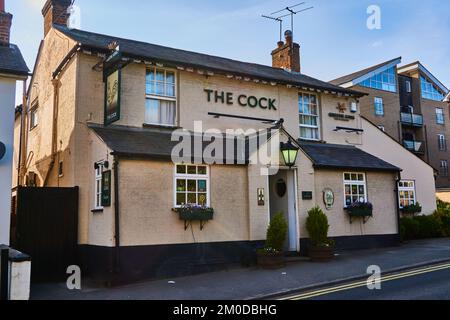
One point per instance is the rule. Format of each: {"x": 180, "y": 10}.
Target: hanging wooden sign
{"x": 106, "y": 188}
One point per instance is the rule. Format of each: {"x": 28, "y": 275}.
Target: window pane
{"x": 192, "y": 170}
{"x": 170, "y": 78}
{"x": 152, "y": 111}
{"x": 192, "y": 185}
{"x": 181, "y": 169}
{"x": 167, "y": 112}
{"x": 181, "y": 185}
{"x": 159, "y": 88}
{"x": 347, "y": 176}
{"x": 181, "y": 199}
{"x": 202, "y": 186}
{"x": 192, "y": 198}
{"x": 202, "y": 170}
{"x": 160, "y": 76}
{"x": 202, "y": 199}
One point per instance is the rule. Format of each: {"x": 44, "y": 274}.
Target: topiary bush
{"x": 317, "y": 226}
{"x": 409, "y": 228}
{"x": 276, "y": 233}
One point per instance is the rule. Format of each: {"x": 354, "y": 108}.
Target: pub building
{"x": 117, "y": 103}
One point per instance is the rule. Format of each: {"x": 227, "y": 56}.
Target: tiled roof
{"x": 335, "y": 156}
{"x": 11, "y": 61}
{"x": 142, "y": 50}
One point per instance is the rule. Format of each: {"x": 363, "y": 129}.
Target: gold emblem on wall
{"x": 341, "y": 107}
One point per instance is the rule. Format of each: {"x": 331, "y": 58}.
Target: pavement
{"x": 255, "y": 283}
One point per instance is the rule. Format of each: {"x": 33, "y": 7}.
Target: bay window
{"x": 407, "y": 193}
{"x": 161, "y": 100}
{"x": 309, "y": 116}
{"x": 355, "y": 188}
{"x": 191, "y": 185}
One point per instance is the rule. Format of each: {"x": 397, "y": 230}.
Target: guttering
{"x": 66, "y": 60}
{"x": 397, "y": 201}
{"x": 116, "y": 215}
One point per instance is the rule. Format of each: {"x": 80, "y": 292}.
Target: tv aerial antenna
{"x": 291, "y": 11}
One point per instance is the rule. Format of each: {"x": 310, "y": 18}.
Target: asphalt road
{"x": 427, "y": 283}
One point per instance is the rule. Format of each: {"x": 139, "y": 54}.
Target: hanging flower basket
{"x": 360, "y": 210}
{"x": 190, "y": 213}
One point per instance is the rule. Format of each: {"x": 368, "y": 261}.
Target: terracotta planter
{"x": 271, "y": 260}
{"x": 321, "y": 253}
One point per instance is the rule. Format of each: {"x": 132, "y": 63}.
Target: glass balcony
{"x": 414, "y": 146}
{"x": 411, "y": 119}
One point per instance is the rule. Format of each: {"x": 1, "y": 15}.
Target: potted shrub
{"x": 320, "y": 248}
{"x": 272, "y": 255}
{"x": 412, "y": 209}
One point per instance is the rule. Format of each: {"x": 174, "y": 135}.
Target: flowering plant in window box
{"x": 412, "y": 209}
{"x": 360, "y": 209}
{"x": 195, "y": 213}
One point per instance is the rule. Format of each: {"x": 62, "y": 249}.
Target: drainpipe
{"x": 397, "y": 201}
{"x": 23, "y": 137}
{"x": 56, "y": 84}
{"x": 116, "y": 215}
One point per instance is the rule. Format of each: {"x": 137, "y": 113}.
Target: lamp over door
{"x": 289, "y": 152}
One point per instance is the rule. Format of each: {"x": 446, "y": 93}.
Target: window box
{"x": 412, "y": 209}
{"x": 191, "y": 213}
{"x": 360, "y": 210}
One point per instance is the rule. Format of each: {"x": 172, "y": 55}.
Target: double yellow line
{"x": 363, "y": 283}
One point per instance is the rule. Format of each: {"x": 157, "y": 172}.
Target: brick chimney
{"x": 5, "y": 24}
{"x": 287, "y": 55}
{"x": 55, "y": 12}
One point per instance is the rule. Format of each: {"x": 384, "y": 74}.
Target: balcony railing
{"x": 411, "y": 119}
{"x": 414, "y": 146}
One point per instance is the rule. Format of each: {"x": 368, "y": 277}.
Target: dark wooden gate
{"x": 47, "y": 230}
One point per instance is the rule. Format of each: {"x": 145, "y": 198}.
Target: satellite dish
{"x": 2, "y": 150}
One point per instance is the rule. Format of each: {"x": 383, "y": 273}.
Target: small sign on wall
{"x": 328, "y": 198}
{"x": 307, "y": 195}
{"x": 261, "y": 197}
{"x": 106, "y": 188}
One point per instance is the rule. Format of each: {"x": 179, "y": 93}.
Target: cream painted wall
{"x": 146, "y": 216}
{"x": 381, "y": 145}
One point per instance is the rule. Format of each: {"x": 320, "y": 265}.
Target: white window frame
{"x": 355, "y": 182}
{"x": 163, "y": 97}
{"x": 409, "y": 188}
{"x": 440, "y": 112}
{"x": 195, "y": 177}
{"x": 444, "y": 165}
{"x": 442, "y": 142}
{"x": 376, "y": 102}
{"x": 98, "y": 188}
{"x": 301, "y": 94}
{"x": 408, "y": 86}
{"x": 34, "y": 118}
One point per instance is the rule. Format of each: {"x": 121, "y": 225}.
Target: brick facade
{"x": 55, "y": 12}
{"x": 287, "y": 55}
{"x": 5, "y": 27}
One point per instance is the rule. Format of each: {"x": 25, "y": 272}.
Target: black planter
{"x": 321, "y": 253}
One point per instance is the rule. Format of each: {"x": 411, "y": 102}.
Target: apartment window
{"x": 160, "y": 106}
{"x": 442, "y": 143}
{"x": 61, "y": 169}
{"x": 191, "y": 185}
{"x": 385, "y": 80}
{"x": 34, "y": 118}
{"x": 309, "y": 116}
{"x": 440, "y": 119}
{"x": 379, "y": 106}
{"x": 430, "y": 91}
{"x": 408, "y": 86}
{"x": 444, "y": 168}
{"x": 355, "y": 188}
{"x": 406, "y": 193}
{"x": 98, "y": 187}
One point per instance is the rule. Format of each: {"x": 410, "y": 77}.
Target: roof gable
{"x": 419, "y": 66}
{"x": 11, "y": 61}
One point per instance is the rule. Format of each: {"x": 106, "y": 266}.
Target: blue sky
{"x": 334, "y": 37}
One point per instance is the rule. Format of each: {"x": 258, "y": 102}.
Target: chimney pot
{"x": 2, "y": 5}
{"x": 280, "y": 44}
{"x": 55, "y": 12}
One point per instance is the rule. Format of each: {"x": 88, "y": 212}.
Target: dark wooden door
{"x": 47, "y": 230}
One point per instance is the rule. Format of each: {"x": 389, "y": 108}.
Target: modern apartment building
{"x": 411, "y": 105}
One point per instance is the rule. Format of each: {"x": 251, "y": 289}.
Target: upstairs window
{"x": 98, "y": 187}
{"x": 355, "y": 188}
{"x": 161, "y": 100}
{"x": 440, "y": 119}
{"x": 385, "y": 80}
{"x": 407, "y": 193}
{"x": 309, "y": 116}
{"x": 379, "y": 106}
{"x": 430, "y": 91}
{"x": 408, "y": 86}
